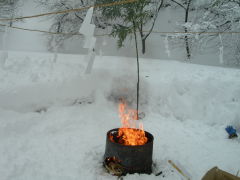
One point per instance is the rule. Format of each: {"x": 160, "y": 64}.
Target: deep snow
{"x": 54, "y": 118}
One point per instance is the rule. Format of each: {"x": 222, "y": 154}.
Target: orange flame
{"x": 131, "y": 132}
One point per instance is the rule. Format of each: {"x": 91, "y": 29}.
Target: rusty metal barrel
{"x": 133, "y": 159}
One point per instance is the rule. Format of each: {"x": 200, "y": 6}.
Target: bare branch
{"x": 179, "y": 4}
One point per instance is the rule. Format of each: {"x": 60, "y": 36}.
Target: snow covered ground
{"x": 54, "y": 118}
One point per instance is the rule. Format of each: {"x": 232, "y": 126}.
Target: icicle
{"x": 197, "y": 36}
{"x": 167, "y": 46}
{"x": 100, "y": 53}
{"x": 104, "y": 42}
{"x": 87, "y": 29}
{"x": 4, "y": 53}
{"x": 90, "y": 57}
{"x": 55, "y": 57}
{"x": 55, "y": 49}
{"x": 221, "y": 50}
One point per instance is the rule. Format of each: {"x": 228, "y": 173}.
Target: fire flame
{"x": 131, "y": 132}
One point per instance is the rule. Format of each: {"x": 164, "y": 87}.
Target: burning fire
{"x": 131, "y": 133}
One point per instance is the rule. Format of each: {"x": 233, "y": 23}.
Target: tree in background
{"x": 203, "y": 17}
{"x": 68, "y": 22}
{"x": 186, "y": 5}
{"x": 8, "y": 9}
{"x": 226, "y": 18}
{"x": 220, "y": 16}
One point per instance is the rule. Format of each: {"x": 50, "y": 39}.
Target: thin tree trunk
{"x": 143, "y": 39}
{"x": 143, "y": 46}
{"x": 186, "y": 39}
{"x": 186, "y": 30}
{"x": 187, "y": 45}
{"x": 138, "y": 79}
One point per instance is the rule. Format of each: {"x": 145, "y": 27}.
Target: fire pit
{"x": 129, "y": 148}
{"x": 121, "y": 159}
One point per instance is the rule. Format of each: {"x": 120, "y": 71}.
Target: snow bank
{"x": 179, "y": 90}
{"x": 194, "y": 92}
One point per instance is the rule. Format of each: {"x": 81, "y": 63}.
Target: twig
{"x": 178, "y": 169}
